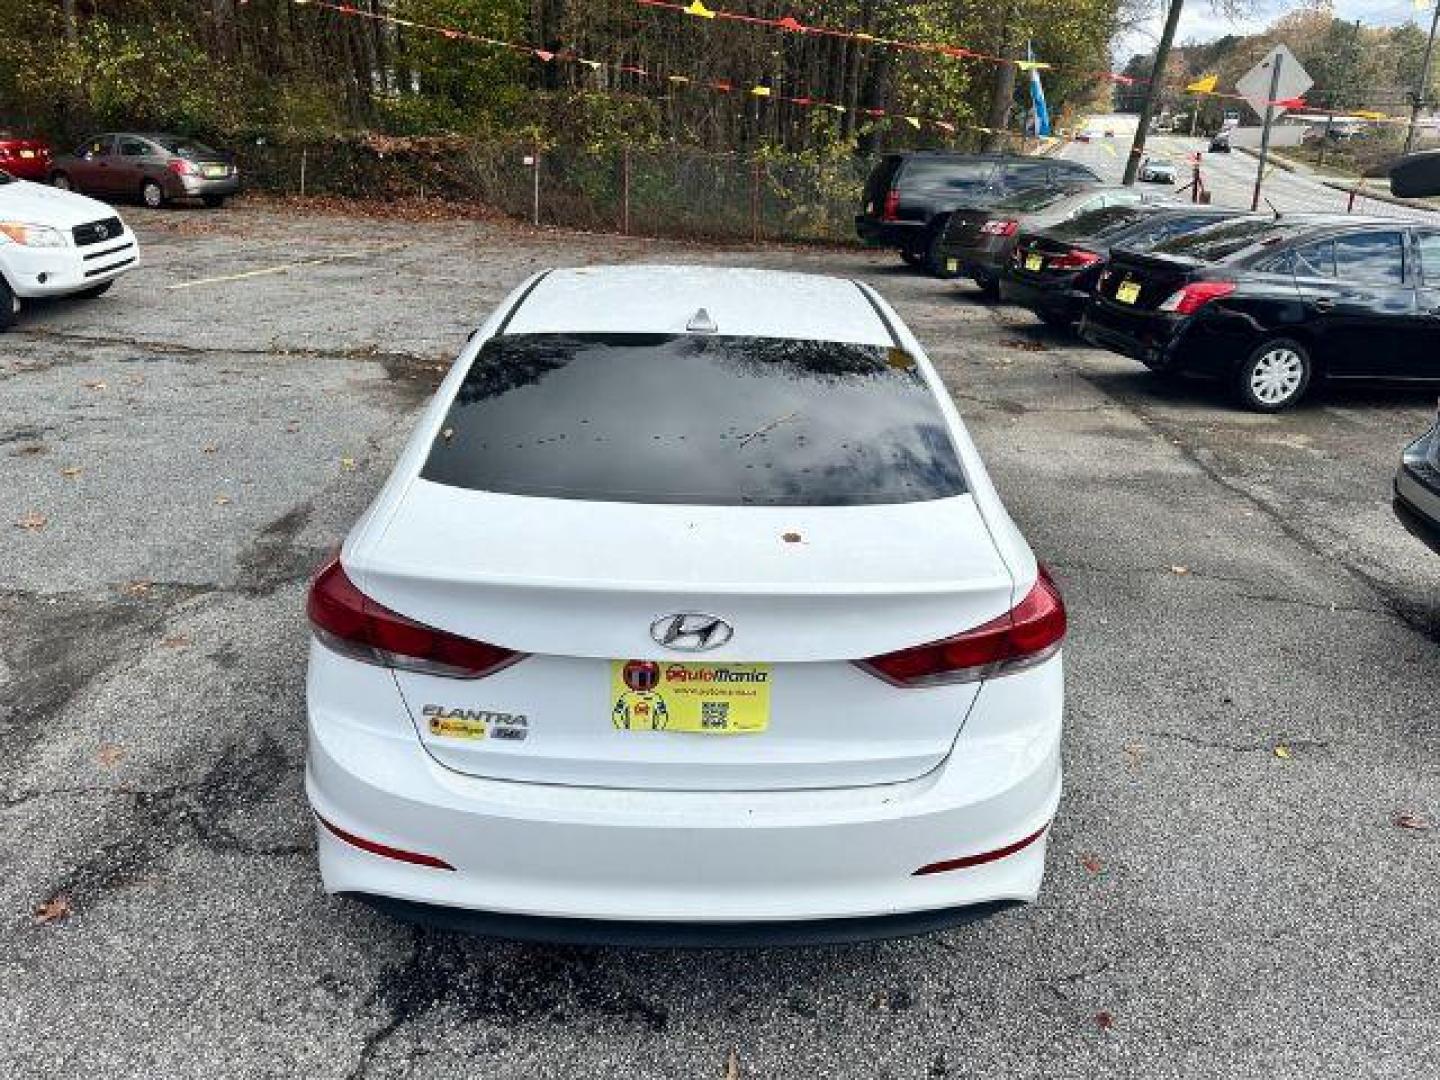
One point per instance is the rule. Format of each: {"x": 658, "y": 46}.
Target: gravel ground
{"x": 1214, "y": 908}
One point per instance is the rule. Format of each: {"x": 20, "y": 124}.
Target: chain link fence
{"x": 664, "y": 192}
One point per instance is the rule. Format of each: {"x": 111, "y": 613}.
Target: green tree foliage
{"x": 227, "y": 68}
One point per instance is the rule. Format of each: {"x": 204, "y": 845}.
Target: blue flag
{"x": 1037, "y": 95}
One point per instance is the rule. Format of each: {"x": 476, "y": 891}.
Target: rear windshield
{"x": 1034, "y": 198}
{"x": 715, "y": 421}
{"x": 188, "y": 148}
{"x": 959, "y": 174}
{"x": 1218, "y": 241}
{"x": 1094, "y": 224}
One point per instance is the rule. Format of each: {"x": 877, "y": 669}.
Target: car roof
{"x": 656, "y": 299}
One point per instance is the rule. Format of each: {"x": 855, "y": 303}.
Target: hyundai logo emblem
{"x": 102, "y": 231}
{"x": 691, "y": 632}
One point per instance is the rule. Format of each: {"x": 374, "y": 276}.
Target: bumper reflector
{"x": 984, "y": 857}
{"x": 385, "y": 850}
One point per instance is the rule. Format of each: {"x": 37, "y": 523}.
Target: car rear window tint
{"x": 1096, "y": 224}
{"x": 1376, "y": 257}
{"x": 717, "y": 421}
{"x": 188, "y": 148}
{"x": 1429, "y": 245}
{"x": 1227, "y": 238}
{"x": 925, "y": 172}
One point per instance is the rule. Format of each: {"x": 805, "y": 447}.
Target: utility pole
{"x": 1265, "y": 131}
{"x": 1422, "y": 92}
{"x": 1152, "y": 92}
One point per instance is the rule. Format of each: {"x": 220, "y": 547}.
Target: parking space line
{"x": 284, "y": 268}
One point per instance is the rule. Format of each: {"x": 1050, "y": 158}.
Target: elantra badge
{"x": 691, "y": 632}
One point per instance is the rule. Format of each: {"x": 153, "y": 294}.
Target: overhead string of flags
{"x": 766, "y": 90}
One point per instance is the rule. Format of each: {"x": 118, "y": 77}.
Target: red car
{"x": 29, "y": 159}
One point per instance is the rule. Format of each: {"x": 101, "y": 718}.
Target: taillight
{"x": 1027, "y": 635}
{"x": 891, "y": 210}
{"x": 180, "y": 167}
{"x": 1196, "y": 295}
{"x": 1000, "y": 227}
{"x": 349, "y": 622}
{"x": 1074, "y": 259}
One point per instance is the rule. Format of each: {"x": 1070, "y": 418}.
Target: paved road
{"x": 1212, "y": 909}
{"x": 1231, "y": 177}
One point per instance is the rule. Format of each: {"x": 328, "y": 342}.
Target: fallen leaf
{"x": 1282, "y": 751}
{"x": 54, "y": 910}
{"x": 1090, "y": 863}
{"x": 1411, "y": 821}
{"x": 222, "y": 500}
{"x": 347, "y": 463}
{"x": 790, "y": 537}
{"x": 175, "y": 641}
{"x": 30, "y": 450}
{"x": 293, "y": 426}
{"x": 1179, "y": 570}
{"x": 138, "y": 588}
{"x": 110, "y": 754}
{"x": 33, "y": 520}
{"x": 95, "y": 384}
{"x": 209, "y": 448}
{"x": 448, "y": 434}
{"x": 71, "y": 471}
{"x": 1104, "y": 1019}
{"x": 732, "y": 1066}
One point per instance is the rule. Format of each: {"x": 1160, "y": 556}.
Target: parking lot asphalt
{"x": 1251, "y": 669}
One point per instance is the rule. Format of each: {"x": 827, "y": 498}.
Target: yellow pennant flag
{"x": 1203, "y": 85}
{"x": 1109, "y": 149}
{"x": 1032, "y": 65}
{"x": 699, "y": 10}
{"x": 913, "y": 121}
{"x": 760, "y": 91}
{"x": 678, "y": 78}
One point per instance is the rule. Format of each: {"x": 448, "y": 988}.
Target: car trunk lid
{"x": 806, "y": 591}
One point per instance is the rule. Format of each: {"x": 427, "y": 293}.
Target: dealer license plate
{"x": 1034, "y": 262}
{"x": 700, "y": 699}
{"x": 1128, "y": 292}
{"x": 214, "y": 171}
{"x": 27, "y": 153}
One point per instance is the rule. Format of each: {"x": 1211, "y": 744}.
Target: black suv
{"x": 1272, "y": 305}
{"x": 909, "y": 197}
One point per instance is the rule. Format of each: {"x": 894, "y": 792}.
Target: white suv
{"x": 57, "y": 243}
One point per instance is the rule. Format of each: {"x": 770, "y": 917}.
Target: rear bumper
{"x": 1058, "y": 300}
{"x": 900, "y": 235}
{"x": 197, "y": 187}
{"x": 1417, "y": 505}
{"x": 37, "y": 272}
{"x": 696, "y": 866}
{"x": 983, "y": 261}
{"x": 682, "y": 935}
{"x": 36, "y": 169}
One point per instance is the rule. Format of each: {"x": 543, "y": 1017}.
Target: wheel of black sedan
{"x": 1274, "y": 376}
{"x": 913, "y": 258}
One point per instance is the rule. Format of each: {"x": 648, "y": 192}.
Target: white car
{"x": 688, "y": 614}
{"x": 57, "y": 243}
{"x": 1153, "y": 171}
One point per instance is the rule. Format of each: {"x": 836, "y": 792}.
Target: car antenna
{"x": 701, "y": 323}
{"x": 1273, "y": 209}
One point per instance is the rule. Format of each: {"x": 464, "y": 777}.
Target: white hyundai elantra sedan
{"x": 688, "y": 615}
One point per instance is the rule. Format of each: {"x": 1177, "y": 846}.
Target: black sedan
{"x": 1417, "y": 488}
{"x": 977, "y": 243}
{"x": 1271, "y": 306}
{"x": 1053, "y": 271}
